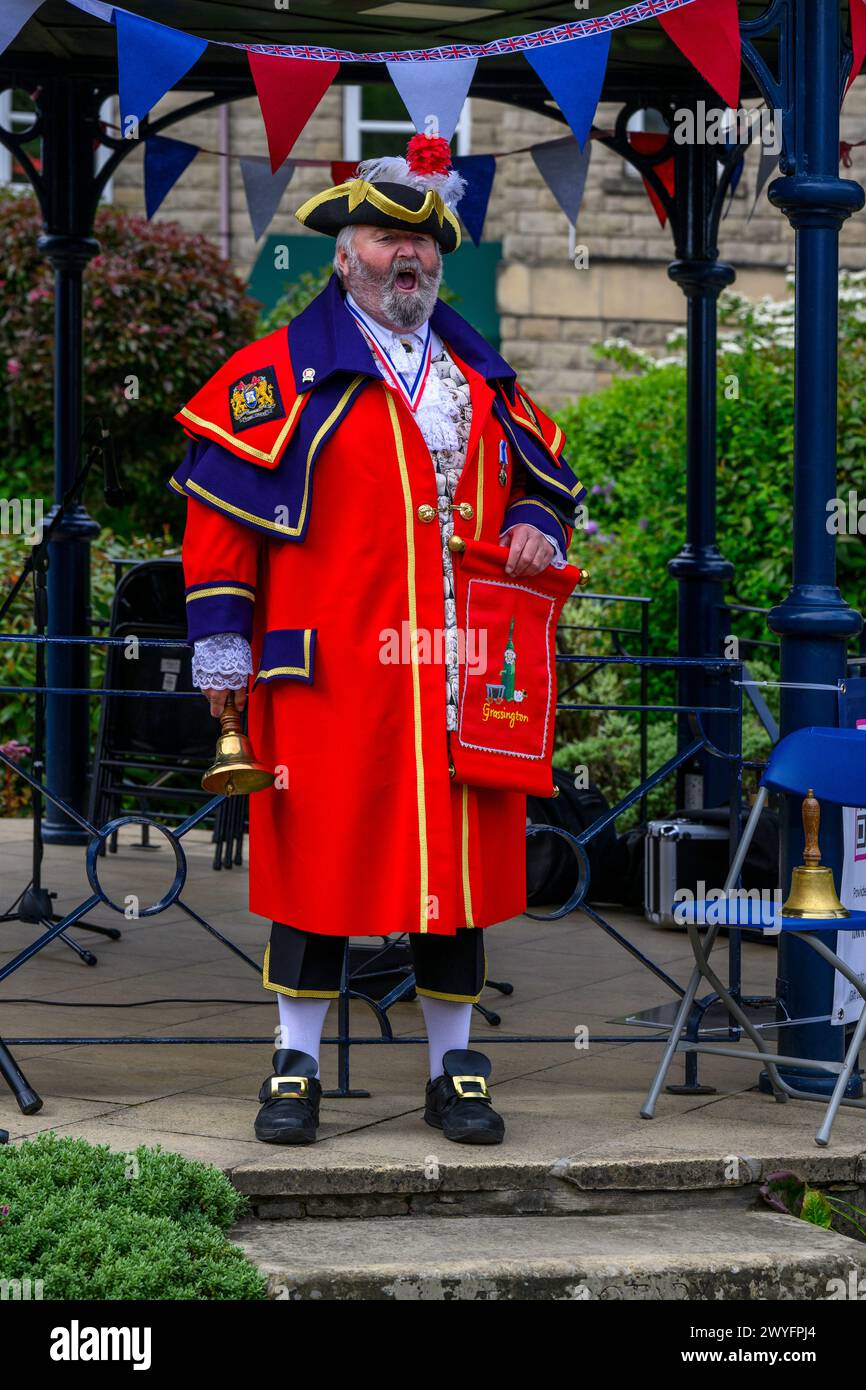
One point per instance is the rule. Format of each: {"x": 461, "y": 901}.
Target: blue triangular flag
{"x": 573, "y": 72}
{"x": 478, "y": 170}
{"x": 150, "y": 59}
{"x": 434, "y": 89}
{"x": 164, "y": 162}
{"x": 15, "y": 15}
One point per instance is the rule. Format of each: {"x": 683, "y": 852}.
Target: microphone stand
{"x": 33, "y": 904}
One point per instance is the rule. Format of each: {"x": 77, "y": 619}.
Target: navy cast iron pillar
{"x": 68, "y": 210}
{"x": 699, "y": 568}
{"x": 814, "y": 622}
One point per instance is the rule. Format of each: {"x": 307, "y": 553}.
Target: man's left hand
{"x": 530, "y": 552}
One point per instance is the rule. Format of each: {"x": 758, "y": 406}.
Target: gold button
{"x": 466, "y": 510}
{"x": 584, "y": 579}
{"x": 426, "y": 512}
{"x": 456, "y": 544}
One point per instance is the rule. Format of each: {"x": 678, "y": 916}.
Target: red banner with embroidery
{"x": 507, "y": 654}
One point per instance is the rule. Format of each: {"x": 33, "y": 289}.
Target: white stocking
{"x": 301, "y": 1024}
{"x": 447, "y": 1023}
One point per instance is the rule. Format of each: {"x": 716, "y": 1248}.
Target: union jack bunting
{"x": 560, "y": 33}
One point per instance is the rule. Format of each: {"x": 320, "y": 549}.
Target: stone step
{"x": 307, "y": 1182}
{"x": 701, "y": 1255}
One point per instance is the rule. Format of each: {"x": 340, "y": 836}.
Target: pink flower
{"x": 14, "y": 750}
{"x": 13, "y": 366}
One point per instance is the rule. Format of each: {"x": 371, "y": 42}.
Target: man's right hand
{"x": 217, "y": 699}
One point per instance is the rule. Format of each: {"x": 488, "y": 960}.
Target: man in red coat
{"x": 333, "y": 470}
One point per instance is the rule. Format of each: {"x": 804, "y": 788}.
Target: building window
{"x": 375, "y": 123}
{"x": 17, "y": 113}
{"x": 647, "y": 120}
{"x": 109, "y": 113}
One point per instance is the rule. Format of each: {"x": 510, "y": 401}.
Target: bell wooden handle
{"x": 811, "y": 826}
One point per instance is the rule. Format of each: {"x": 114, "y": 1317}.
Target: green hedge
{"x": 628, "y": 444}
{"x": 92, "y": 1224}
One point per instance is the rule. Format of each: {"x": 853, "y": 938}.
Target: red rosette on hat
{"x": 428, "y": 154}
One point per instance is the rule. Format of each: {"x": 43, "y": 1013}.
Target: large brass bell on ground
{"x": 813, "y": 891}
{"x": 236, "y": 771}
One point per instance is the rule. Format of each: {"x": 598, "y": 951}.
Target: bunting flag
{"x": 766, "y": 169}
{"x": 343, "y": 169}
{"x": 151, "y": 57}
{"x": 164, "y": 162}
{"x": 650, "y": 142}
{"x": 708, "y": 34}
{"x": 264, "y": 190}
{"x": 289, "y": 90}
{"x": 97, "y": 8}
{"x": 573, "y": 73}
{"x": 14, "y": 16}
{"x": 479, "y": 171}
{"x": 436, "y": 91}
{"x": 564, "y": 167}
{"x": 858, "y": 39}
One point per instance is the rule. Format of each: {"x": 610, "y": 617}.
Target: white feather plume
{"x": 395, "y": 169}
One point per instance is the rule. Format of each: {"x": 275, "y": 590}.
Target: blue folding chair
{"x": 829, "y": 764}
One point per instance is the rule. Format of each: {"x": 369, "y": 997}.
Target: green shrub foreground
{"x": 92, "y": 1224}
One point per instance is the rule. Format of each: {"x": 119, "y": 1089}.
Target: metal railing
{"x": 581, "y": 668}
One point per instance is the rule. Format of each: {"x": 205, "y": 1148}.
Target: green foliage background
{"x": 627, "y": 443}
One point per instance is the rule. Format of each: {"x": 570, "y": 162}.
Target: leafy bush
{"x": 92, "y": 1224}
{"x": 160, "y": 307}
{"x": 628, "y": 442}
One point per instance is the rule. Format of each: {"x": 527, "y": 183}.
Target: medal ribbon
{"x": 411, "y": 393}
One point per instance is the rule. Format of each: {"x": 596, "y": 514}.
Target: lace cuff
{"x": 221, "y": 662}
{"x": 558, "y": 562}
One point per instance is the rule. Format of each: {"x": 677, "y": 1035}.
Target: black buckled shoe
{"x": 458, "y": 1102}
{"x": 290, "y": 1113}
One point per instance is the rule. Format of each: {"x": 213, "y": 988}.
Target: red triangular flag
{"x": 343, "y": 169}
{"x": 650, "y": 142}
{"x": 289, "y": 90}
{"x": 708, "y": 33}
{"x": 858, "y": 38}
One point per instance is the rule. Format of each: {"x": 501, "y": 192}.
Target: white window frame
{"x": 15, "y": 120}
{"x": 354, "y": 125}
{"x": 108, "y": 112}
{"x": 11, "y": 120}
{"x": 637, "y": 121}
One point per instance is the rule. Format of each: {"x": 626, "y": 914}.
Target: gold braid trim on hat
{"x": 358, "y": 191}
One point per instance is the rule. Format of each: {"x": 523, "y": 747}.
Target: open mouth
{"x": 406, "y": 280}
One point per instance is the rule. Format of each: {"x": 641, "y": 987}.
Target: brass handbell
{"x": 813, "y": 891}
{"x": 235, "y": 770}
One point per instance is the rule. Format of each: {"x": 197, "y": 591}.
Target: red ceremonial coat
{"x": 309, "y": 496}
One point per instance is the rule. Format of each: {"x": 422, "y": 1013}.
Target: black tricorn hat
{"x": 360, "y": 202}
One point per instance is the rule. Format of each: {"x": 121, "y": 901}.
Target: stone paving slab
{"x": 711, "y": 1256}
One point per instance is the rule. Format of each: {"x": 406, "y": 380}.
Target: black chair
{"x": 152, "y": 753}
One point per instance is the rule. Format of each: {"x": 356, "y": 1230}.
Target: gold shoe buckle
{"x": 459, "y": 1082}
{"x": 277, "y": 1083}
